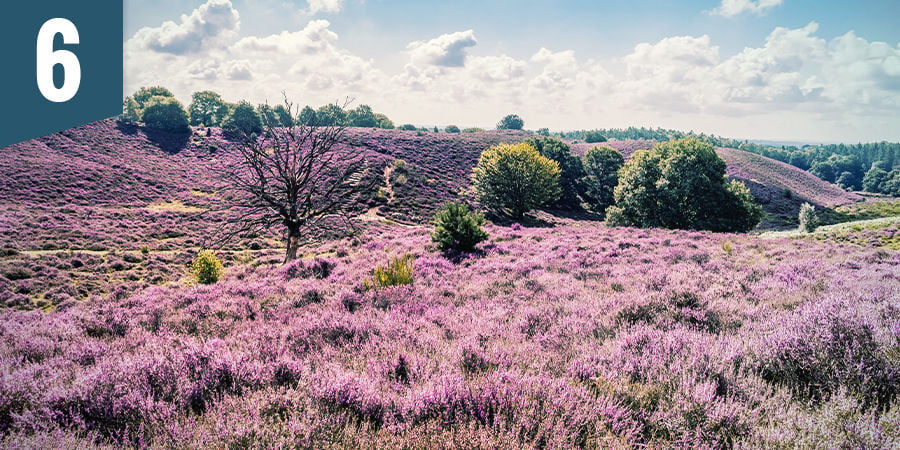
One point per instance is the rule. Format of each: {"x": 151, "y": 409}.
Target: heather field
{"x": 578, "y": 335}
{"x": 560, "y": 333}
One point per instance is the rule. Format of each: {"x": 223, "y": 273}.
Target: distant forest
{"x": 871, "y": 167}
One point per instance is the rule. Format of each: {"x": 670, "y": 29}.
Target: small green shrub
{"x": 452, "y": 129}
{"x": 207, "y": 268}
{"x": 809, "y": 221}
{"x": 399, "y": 164}
{"x": 398, "y": 272}
{"x": 145, "y": 249}
{"x": 458, "y": 228}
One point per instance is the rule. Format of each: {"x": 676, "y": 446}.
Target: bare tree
{"x": 291, "y": 177}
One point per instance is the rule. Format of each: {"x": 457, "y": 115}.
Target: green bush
{"x": 511, "y": 122}
{"x": 681, "y": 184}
{"x": 601, "y": 168}
{"x": 514, "y": 179}
{"x": 243, "y": 119}
{"x": 165, "y": 113}
{"x": 408, "y": 127}
{"x": 472, "y": 130}
{"x": 809, "y": 221}
{"x": 398, "y": 272}
{"x": 458, "y": 228}
{"x": 382, "y": 121}
{"x": 207, "y": 268}
{"x": 452, "y": 129}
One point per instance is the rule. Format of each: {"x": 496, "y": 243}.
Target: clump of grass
{"x": 398, "y": 272}
{"x": 726, "y": 247}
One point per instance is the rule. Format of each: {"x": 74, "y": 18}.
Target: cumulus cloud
{"x": 447, "y": 50}
{"x": 731, "y": 8}
{"x": 330, "y": 6}
{"x": 795, "y": 83}
{"x": 211, "y": 20}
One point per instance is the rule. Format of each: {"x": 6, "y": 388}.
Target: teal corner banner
{"x": 62, "y": 65}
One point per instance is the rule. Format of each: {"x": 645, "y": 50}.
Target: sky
{"x": 789, "y": 70}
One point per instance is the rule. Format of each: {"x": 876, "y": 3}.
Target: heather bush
{"x": 398, "y": 272}
{"x": 681, "y": 184}
{"x": 165, "y": 113}
{"x": 808, "y": 219}
{"x": 458, "y": 228}
{"x": 514, "y": 179}
{"x": 207, "y": 268}
{"x": 601, "y": 168}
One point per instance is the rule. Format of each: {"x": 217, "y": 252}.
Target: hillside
{"x": 769, "y": 181}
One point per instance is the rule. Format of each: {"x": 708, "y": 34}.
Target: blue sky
{"x": 772, "y": 69}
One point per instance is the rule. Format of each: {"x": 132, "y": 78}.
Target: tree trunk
{"x": 293, "y": 244}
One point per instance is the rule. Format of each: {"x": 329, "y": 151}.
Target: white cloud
{"x": 731, "y": 8}
{"x": 795, "y": 84}
{"x": 447, "y": 50}
{"x": 330, "y": 6}
{"x": 211, "y": 20}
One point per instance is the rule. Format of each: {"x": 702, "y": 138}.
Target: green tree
{"x": 208, "y": 108}
{"x": 681, "y": 184}
{"x": 244, "y": 119}
{"x": 131, "y": 111}
{"x": 511, "y": 122}
{"x": 408, "y": 127}
{"x": 307, "y": 117}
{"x": 458, "y": 228}
{"x": 543, "y": 132}
{"x": 571, "y": 170}
{"x": 514, "y": 179}
{"x": 875, "y": 179}
{"x": 165, "y": 113}
{"x": 601, "y": 167}
{"x": 144, "y": 94}
{"x": 593, "y": 137}
{"x": 452, "y": 129}
{"x": 382, "y": 121}
{"x": 276, "y": 116}
{"x": 331, "y": 115}
{"x": 362, "y": 116}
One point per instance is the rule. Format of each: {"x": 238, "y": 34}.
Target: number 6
{"x": 47, "y": 58}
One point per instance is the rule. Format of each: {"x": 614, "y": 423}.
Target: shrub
{"x": 244, "y": 119}
{"x": 398, "y": 272}
{"x": 514, "y": 179}
{"x": 601, "y": 168}
{"x": 543, "y": 132}
{"x": 472, "y": 130}
{"x": 458, "y": 228}
{"x": 571, "y": 170}
{"x": 681, "y": 184}
{"x": 452, "y": 129}
{"x": 511, "y": 122}
{"x": 399, "y": 164}
{"x": 809, "y": 221}
{"x": 207, "y": 268}
{"x": 408, "y": 127}
{"x": 165, "y": 113}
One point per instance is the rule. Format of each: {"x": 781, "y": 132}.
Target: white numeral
{"x": 47, "y": 58}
